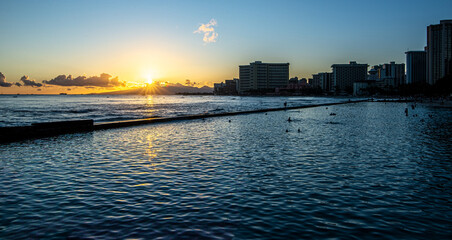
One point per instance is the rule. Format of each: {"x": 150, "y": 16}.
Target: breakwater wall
{"x": 39, "y": 130}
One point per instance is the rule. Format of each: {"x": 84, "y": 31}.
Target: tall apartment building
{"x": 322, "y": 80}
{"x": 393, "y": 74}
{"x": 326, "y": 81}
{"x": 314, "y": 82}
{"x": 439, "y": 50}
{"x": 260, "y": 76}
{"x": 344, "y": 75}
{"x": 229, "y": 87}
{"x": 416, "y": 67}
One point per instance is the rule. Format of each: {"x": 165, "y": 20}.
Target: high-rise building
{"x": 217, "y": 87}
{"x": 416, "y": 67}
{"x": 314, "y": 82}
{"x": 244, "y": 78}
{"x": 326, "y": 81}
{"x": 344, "y": 75}
{"x": 260, "y": 76}
{"x": 393, "y": 74}
{"x": 323, "y": 80}
{"x": 439, "y": 50}
{"x": 229, "y": 87}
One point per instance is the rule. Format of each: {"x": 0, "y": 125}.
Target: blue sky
{"x": 130, "y": 39}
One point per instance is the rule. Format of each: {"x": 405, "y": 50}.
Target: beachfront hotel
{"x": 323, "y": 80}
{"x": 229, "y": 87}
{"x": 392, "y": 74}
{"x": 261, "y": 76}
{"x": 416, "y": 67}
{"x": 439, "y": 50}
{"x": 344, "y": 75}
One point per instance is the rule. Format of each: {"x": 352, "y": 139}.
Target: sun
{"x": 149, "y": 77}
{"x": 149, "y": 80}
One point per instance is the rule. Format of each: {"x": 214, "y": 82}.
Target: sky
{"x": 116, "y": 44}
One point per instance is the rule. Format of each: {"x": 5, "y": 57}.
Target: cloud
{"x": 18, "y": 84}
{"x": 104, "y": 80}
{"x": 28, "y": 82}
{"x": 3, "y": 82}
{"x": 209, "y": 31}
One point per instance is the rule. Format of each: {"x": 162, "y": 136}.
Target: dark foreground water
{"x": 367, "y": 172}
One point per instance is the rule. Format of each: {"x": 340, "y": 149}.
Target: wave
{"x": 53, "y": 110}
{"x": 48, "y": 108}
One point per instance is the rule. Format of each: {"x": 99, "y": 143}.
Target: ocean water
{"x": 26, "y": 109}
{"x": 368, "y": 172}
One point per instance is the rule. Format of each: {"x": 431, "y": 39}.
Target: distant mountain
{"x": 159, "y": 90}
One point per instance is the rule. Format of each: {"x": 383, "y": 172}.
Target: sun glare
{"x": 149, "y": 80}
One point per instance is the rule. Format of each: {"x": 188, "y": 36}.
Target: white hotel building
{"x": 261, "y": 76}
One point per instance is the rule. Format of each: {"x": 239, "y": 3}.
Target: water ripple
{"x": 377, "y": 174}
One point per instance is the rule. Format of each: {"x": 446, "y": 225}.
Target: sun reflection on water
{"x": 150, "y": 102}
{"x": 151, "y": 152}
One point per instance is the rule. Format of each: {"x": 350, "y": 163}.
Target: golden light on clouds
{"x": 208, "y": 31}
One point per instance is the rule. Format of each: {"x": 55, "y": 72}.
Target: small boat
{"x": 63, "y": 93}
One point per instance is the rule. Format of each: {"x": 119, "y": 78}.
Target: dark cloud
{"x": 38, "y": 89}
{"x": 104, "y": 80}
{"x": 69, "y": 89}
{"x": 3, "y": 82}
{"x": 18, "y": 84}
{"x": 28, "y": 82}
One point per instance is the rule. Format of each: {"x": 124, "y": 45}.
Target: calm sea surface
{"x": 26, "y": 109}
{"x": 369, "y": 172}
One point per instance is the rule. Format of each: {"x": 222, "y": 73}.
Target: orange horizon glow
{"x": 148, "y": 82}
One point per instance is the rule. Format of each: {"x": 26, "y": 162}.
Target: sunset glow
{"x": 201, "y": 41}
{"x": 149, "y": 80}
